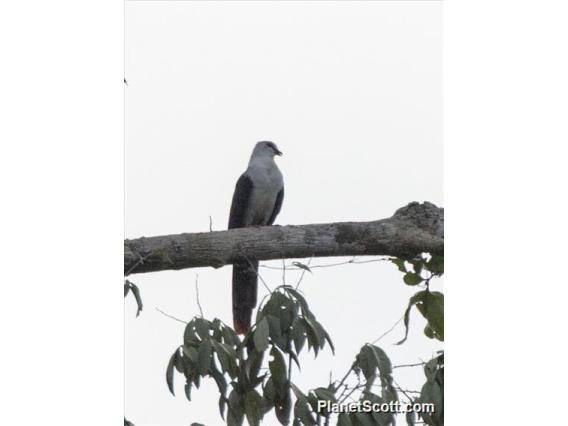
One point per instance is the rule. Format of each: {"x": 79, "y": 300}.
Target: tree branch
{"x": 413, "y": 229}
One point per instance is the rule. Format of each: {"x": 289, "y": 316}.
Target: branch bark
{"x": 413, "y": 229}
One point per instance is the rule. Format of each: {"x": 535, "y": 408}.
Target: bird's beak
{"x": 278, "y": 152}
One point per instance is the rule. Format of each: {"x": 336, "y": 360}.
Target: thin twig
{"x": 328, "y": 265}
{"x": 388, "y": 331}
{"x": 140, "y": 261}
{"x": 350, "y": 393}
{"x": 406, "y": 390}
{"x": 409, "y": 365}
{"x": 303, "y": 273}
{"x": 197, "y": 294}
{"x": 171, "y": 316}
{"x": 283, "y": 271}
{"x": 402, "y": 390}
{"x": 255, "y": 270}
{"x": 210, "y": 224}
{"x": 346, "y": 375}
{"x": 258, "y": 275}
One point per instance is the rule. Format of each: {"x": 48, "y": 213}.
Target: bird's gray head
{"x": 265, "y": 149}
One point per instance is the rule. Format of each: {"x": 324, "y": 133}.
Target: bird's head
{"x": 266, "y": 149}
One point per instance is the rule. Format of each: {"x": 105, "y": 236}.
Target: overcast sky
{"x": 350, "y": 92}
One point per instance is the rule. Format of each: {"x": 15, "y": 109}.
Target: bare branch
{"x": 303, "y": 273}
{"x": 409, "y": 365}
{"x": 413, "y": 229}
{"x": 388, "y": 331}
{"x": 353, "y": 261}
{"x": 197, "y": 294}
{"x": 171, "y": 316}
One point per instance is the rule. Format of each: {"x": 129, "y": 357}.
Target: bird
{"x": 257, "y": 200}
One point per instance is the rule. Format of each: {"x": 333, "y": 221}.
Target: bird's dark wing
{"x": 241, "y": 198}
{"x": 277, "y": 207}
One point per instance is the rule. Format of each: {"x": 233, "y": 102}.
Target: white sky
{"x": 351, "y": 93}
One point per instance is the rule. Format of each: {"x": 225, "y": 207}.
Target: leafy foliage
{"x": 430, "y": 304}
{"x": 253, "y": 375}
{"x": 284, "y": 324}
{"x": 433, "y": 391}
{"x": 130, "y": 286}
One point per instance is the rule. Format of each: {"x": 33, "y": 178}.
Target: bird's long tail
{"x": 245, "y": 283}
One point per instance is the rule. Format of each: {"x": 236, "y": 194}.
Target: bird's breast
{"x": 263, "y": 196}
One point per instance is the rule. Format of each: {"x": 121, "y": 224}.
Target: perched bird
{"x": 257, "y": 201}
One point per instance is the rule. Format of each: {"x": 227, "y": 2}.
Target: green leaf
{"x": 277, "y": 367}
{"x": 367, "y": 362}
{"x": 399, "y": 263}
{"x": 297, "y": 391}
{"x": 312, "y": 332}
{"x": 326, "y": 337}
{"x": 191, "y": 353}
{"x": 302, "y": 411}
{"x": 298, "y": 334}
{"x": 136, "y": 293}
{"x": 189, "y": 335}
{"x": 236, "y": 413}
{"x": 227, "y": 358}
{"x": 272, "y": 307}
{"x": 261, "y": 335}
{"x": 269, "y": 391}
{"x": 302, "y": 266}
{"x": 254, "y": 362}
{"x": 187, "y": 389}
{"x": 217, "y": 327}
{"x": 220, "y": 380}
{"x": 433, "y": 393}
{"x": 202, "y": 328}
{"x": 170, "y": 371}
{"x": 417, "y": 265}
{"x": 222, "y": 404}
{"x": 304, "y": 305}
{"x": 204, "y": 357}
{"x": 283, "y": 407}
{"x": 197, "y": 380}
{"x": 436, "y": 264}
{"x": 313, "y": 402}
{"x": 230, "y": 337}
{"x": 365, "y": 419}
{"x": 412, "y": 279}
{"x": 325, "y": 394}
{"x": 344, "y": 420}
{"x": 252, "y": 407}
{"x": 288, "y": 312}
{"x": 411, "y": 418}
{"x": 179, "y": 363}
{"x": 295, "y": 358}
{"x": 374, "y": 399}
{"x": 432, "y": 308}
{"x": 275, "y": 332}
{"x": 383, "y": 361}
{"x": 418, "y": 297}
